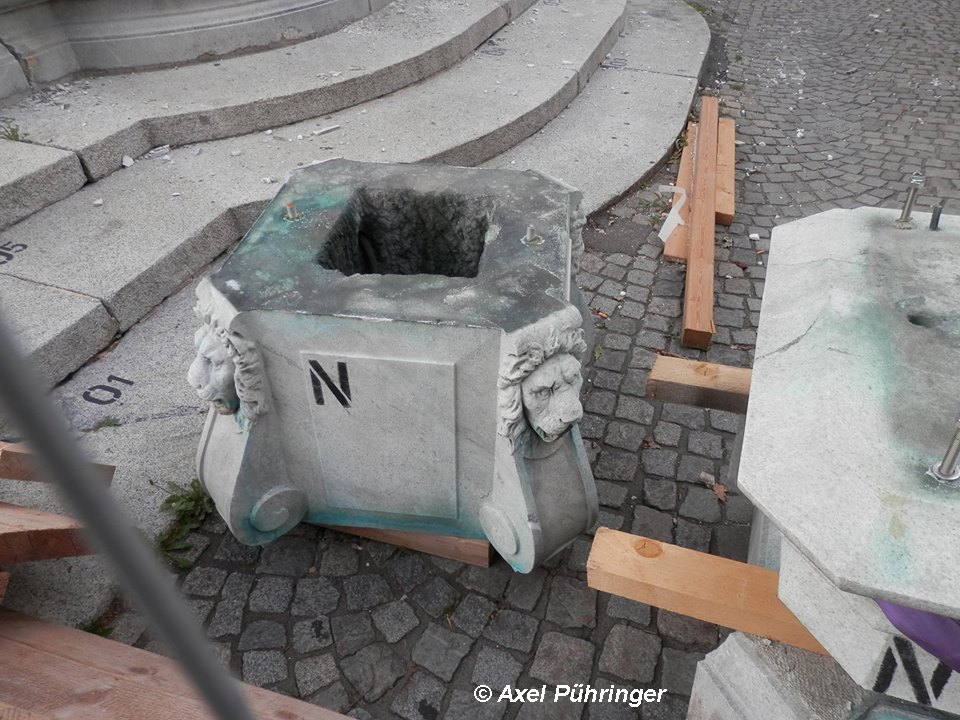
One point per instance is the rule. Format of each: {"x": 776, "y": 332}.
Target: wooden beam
{"x": 55, "y": 671}
{"x": 726, "y": 164}
{"x": 710, "y": 588}
{"x": 466, "y": 550}
{"x": 9, "y": 712}
{"x": 675, "y": 246}
{"x": 698, "y": 292}
{"x": 703, "y": 384}
{"x": 18, "y": 463}
{"x": 27, "y": 534}
{"x": 4, "y": 581}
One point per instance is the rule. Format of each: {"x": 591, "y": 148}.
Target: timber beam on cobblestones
{"x": 698, "y": 325}
{"x": 48, "y": 670}
{"x": 465, "y": 550}
{"x": 725, "y": 592}
{"x": 703, "y": 384}
{"x": 675, "y": 246}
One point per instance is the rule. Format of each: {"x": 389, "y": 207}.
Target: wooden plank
{"x": 675, "y": 246}
{"x": 4, "y": 581}
{"x": 17, "y": 463}
{"x": 466, "y": 550}
{"x": 52, "y": 670}
{"x": 9, "y": 712}
{"x": 698, "y": 291}
{"x": 710, "y": 588}
{"x": 726, "y": 164}
{"x": 703, "y": 384}
{"x": 27, "y": 534}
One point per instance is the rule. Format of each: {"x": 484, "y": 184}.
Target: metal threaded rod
{"x": 947, "y": 469}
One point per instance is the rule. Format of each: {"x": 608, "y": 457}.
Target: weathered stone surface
{"x": 263, "y": 635}
{"x": 311, "y": 635}
{"x": 441, "y": 651}
{"x": 229, "y": 614}
{"x": 562, "y": 659}
{"x": 271, "y": 594}
{"x": 693, "y": 536}
{"x": 204, "y": 581}
{"x": 512, "y": 629}
{"x": 495, "y": 668}
{"x": 572, "y": 604}
{"x": 524, "y": 589}
{"x": 288, "y": 555}
{"x": 701, "y": 503}
{"x": 626, "y": 609}
{"x": 630, "y": 654}
{"x": 436, "y": 596}
{"x": 660, "y": 494}
{"x": 366, "y": 591}
{"x": 57, "y": 329}
{"x": 373, "y": 670}
{"x": 420, "y": 699}
{"x": 314, "y": 673}
{"x": 264, "y": 667}
{"x": 490, "y": 581}
{"x": 472, "y": 614}
{"x": 394, "y": 620}
{"x": 689, "y": 633}
{"x": 464, "y": 706}
{"x": 678, "y": 670}
{"x": 652, "y": 524}
{"x": 315, "y": 596}
{"x": 408, "y": 570}
{"x": 338, "y": 560}
{"x": 658, "y": 461}
{"x": 351, "y": 632}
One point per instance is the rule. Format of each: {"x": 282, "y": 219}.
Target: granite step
{"x": 103, "y": 119}
{"x": 619, "y": 129}
{"x": 34, "y": 176}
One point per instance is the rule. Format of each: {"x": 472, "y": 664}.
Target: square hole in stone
{"x": 404, "y": 232}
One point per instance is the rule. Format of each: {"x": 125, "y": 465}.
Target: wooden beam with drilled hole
{"x": 698, "y": 287}
{"x": 466, "y": 550}
{"x": 706, "y": 587}
{"x": 726, "y": 164}
{"x": 703, "y": 384}
{"x": 675, "y": 246}
{"x": 18, "y": 463}
{"x": 55, "y": 671}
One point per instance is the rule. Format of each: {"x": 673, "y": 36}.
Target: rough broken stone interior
{"x": 404, "y": 232}
{"x": 140, "y": 142}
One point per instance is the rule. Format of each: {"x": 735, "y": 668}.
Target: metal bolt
{"x": 292, "y": 213}
{"x": 948, "y": 469}
{"x": 916, "y": 182}
{"x": 935, "y": 216}
{"x": 531, "y": 238}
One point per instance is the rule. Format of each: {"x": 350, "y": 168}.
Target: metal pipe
{"x": 133, "y": 561}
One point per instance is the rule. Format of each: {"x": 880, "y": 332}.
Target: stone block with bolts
{"x": 398, "y": 346}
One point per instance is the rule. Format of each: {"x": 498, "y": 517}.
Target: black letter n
{"x": 342, "y": 393}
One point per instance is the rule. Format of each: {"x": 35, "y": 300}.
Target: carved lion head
{"x": 212, "y": 371}
{"x": 540, "y": 385}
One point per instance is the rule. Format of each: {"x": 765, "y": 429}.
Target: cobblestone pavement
{"x": 836, "y": 104}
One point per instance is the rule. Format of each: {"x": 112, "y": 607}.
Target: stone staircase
{"x": 590, "y": 91}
